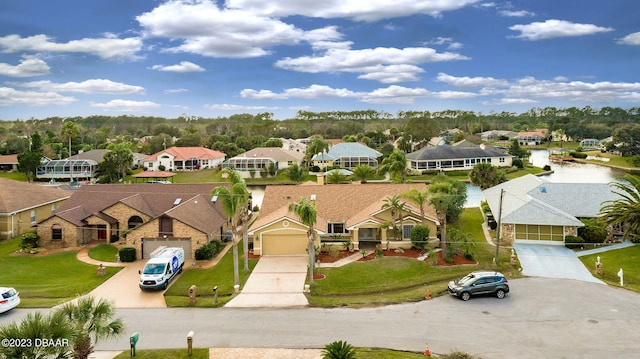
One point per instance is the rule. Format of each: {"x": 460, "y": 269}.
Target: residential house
{"x": 143, "y": 216}
{"x": 98, "y": 156}
{"x": 8, "y": 163}
{"x": 450, "y": 158}
{"x": 347, "y": 155}
{"x": 67, "y": 169}
{"x": 531, "y": 137}
{"x": 23, "y": 205}
{"x": 345, "y": 212}
{"x": 497, "y": 135}
{"x": 183, "y": 159}
{"x": 261, "y": 158}
{"x": 289, "y": 144}
{"x": 535, "y": 211}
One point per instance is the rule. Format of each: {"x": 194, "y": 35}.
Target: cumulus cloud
{"x": 108, "y": 47}
{"x": 171, "y": 91}
{"x": 10, "y": 96}
{"x": 519, "y": 13}
{"x": 631, "y": 39}
{"x": 29, "y": 66}
{"x": 468, "y": 82}
{"x": 371, "y": 10}
{"x": 93, "y": 86}
{"x": 183, "y": 66}
{"x": 126, "y": 105}
{"x": 555, "y": 28}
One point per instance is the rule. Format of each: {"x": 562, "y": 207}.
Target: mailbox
{"x": 133, "y": 340}
{"x": 190, "y": 343}
{"x": 215, "y": 293}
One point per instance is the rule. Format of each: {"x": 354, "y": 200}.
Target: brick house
{"x": 144, "y": 216}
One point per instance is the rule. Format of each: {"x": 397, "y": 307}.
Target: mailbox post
{"x": 190, "y": 343}
{"x": 133, "y": 340}
{"x": 192, "y": 295}
{"x": 215, "y": 294}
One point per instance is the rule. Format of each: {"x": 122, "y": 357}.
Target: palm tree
{"x": 68, "y": 131}
{"x": 397, "y": 208}
{"x": 363, "y": 173}
{"x": 485, "y": 175}
{"x": 441, "y": 194}
{"x": 91, "y": 320}
{"x": 417, "y": 197}
{"x": 234, "y": 202}
{"x": 625, "y": 211}
{"x": 338, "y": 350}
{"x": 396, "y": 164}
{"x": 306, "y": 212}
{"x": 34, "y": 326}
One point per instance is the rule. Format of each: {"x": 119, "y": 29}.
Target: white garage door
{"x": 151, "y": 244}
{"x": 284, "y": 244}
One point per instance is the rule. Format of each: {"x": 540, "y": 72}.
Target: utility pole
{"x": 498, "y": 227}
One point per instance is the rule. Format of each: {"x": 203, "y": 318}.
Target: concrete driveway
{"x": 552, "y": 261}
{"x": 276, "y": 281}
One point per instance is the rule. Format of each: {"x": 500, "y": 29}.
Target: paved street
{"x": 540, "y": 318}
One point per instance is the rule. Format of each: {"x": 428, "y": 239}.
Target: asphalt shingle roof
{"x": 17, "y": 195}
{"x": 447, "y": 152}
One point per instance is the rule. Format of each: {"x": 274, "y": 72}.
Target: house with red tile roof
{"x": 143, "y": 216}
{"x": 345, "y": 212}
{"x": 184, "y": 159}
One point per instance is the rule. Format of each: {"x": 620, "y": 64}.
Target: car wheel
{"x": 500, "y": 294}
{"x": 165, "y": 285}
{"x": 465, "y": 296}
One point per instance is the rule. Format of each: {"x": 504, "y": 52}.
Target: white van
{"x": 164, "y": 264}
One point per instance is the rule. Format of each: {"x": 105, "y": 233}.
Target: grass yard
{"x": 220, "y": 275}
{"x": 104, "y": 253}
{"x": 390, "y": 280}
{"x": 625, "y": 258}
{"x": 199, "y": 353}
{"x": 45, "y": 281}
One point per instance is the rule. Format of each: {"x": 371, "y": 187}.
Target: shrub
{"x": 114, "y": 238}
{"x": 419, "y": 235}
{"x": 338, "y": 350}
{"x": 127, "y": 254}
{"x": 517, "y": 162}
{"x": 547, "y": 168}
{"x": 457, "y": 355}
{"x": 593, "y": 231}
{"x": 208, "y": 250}
{"x": 572, "y": 242}
{"x": 29, "y": 240}
{"x": 334, "y": 252}
{"x": 161, "y": 168}
{"x": 580, "y": 155}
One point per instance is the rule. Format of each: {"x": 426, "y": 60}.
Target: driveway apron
{"x": 552, "y": 261}
{"x": 276, "y": 281}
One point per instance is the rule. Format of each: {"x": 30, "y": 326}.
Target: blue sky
{"x": 217, "y": 58}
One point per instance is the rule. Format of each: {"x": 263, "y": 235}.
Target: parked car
{"x": 479, "y": 283}
{"x": 9, "y": 299}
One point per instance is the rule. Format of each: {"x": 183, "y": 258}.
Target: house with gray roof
{"x": 450, "y": 158}
{"x": 143, "y": 216}
{"x": 347, "y": 155}
{"x": 261, "y": 158}
{"x": 496, "y": 135}
{"x": 536, "y": 211}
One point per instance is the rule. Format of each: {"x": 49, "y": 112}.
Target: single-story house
{"x": 293, "y": 145}
{"x": 345, "y": 212}
{"x": 536, "y": 211}
{"x": 143, "y": 216}
{"x": 347, "y": 155}
{"x": 8, "y": 163}
{"x": 68, "y": 169}
{"x": 450, "y": 158}
{"x": 531, "y": 137}
{"x": 184, "y": 158}
{"x": 261, "y": 158}
{"x": 97, "y": 155}
{"x": 496, "y": 135}
{"x": 23, "y": 205}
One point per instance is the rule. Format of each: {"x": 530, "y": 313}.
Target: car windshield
{"x": 153, "y": 268}
{"x": 466, "y": 280}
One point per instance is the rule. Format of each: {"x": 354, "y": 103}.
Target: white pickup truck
{"x": 164, "y": 264}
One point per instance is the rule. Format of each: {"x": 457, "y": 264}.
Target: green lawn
{"x": 45, "y": 281}
{"x": 220, "y": 275}
{"x": 390, "y": 280}
{"x": 104, "y": 253}
{"x": 625, "y": 258}
{"x": 361, "y": 353}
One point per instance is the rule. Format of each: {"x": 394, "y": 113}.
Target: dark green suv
{"x": 479, "y": 283}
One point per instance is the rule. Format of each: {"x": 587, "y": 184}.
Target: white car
{"x": 9, "y": 299}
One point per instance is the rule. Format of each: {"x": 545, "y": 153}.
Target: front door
{"x": 102, "y": 232}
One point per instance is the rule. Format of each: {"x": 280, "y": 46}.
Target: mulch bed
{"x": 413, "y": 253}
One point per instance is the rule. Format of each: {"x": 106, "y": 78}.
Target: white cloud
{"x": 126, "y": 105}
{"x": 520, "y": 13}
{"x": 468, "y": 82}
{"x": 28, "y": 66}
{"x": 631, "y": 39}
{"x": 555, "y": 28}
{"x": 170, "y": 91}
{"x": 370, "y": 10}
{"x": 378, "y": 63}
{"x": 231, "y": 107}
{"x": 311, "y": 92}
{"x": 10, "y": 97}
{"x": 92, "y": 86}
{"x": 107, "y": 48}
{"x": 183, "y": 66}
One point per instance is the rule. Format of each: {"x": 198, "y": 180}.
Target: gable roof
{"x": 352, "y": 149}
{"x": 448, "y": 152}
{"x": 186, "y": 153}
{"x": 348, "y": 203}
{"x": 98, "y": 155}
{"x": 150, "y": 199}
{"x": 274, "y": 153}
{"x": 16, "y": 196}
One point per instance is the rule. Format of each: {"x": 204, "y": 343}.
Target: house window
{"x": 150, "y": 165}
{"x": 336, "y": 228}
{"x": 134, "y": 221}
{"x": 501, "y": 159}
{"x": 406, "y": 231}
{"x": 33, "y": 216}
{"x": 56, "y": 232}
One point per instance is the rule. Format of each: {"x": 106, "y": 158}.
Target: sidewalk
{"x": 344, "y": 261}
{"x": 624, "y": 244}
